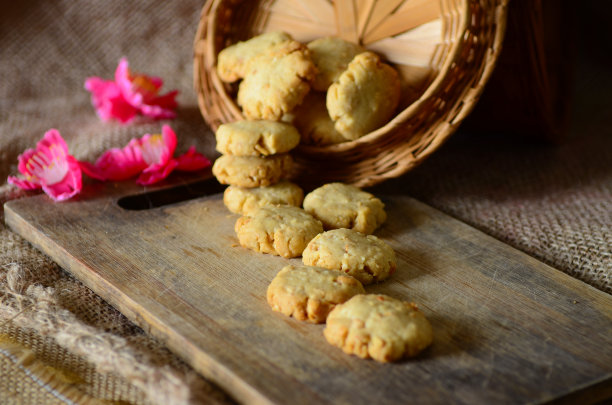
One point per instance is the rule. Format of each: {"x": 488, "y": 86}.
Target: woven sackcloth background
{"x": 60, "y": 343}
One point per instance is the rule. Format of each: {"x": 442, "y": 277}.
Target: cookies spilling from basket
{"x": 332, "y": 90}
{"x": 331, "y": 230}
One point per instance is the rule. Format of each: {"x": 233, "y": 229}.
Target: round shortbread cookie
{"x": 340, "y": 205}
{"x": 281, "y": 230}
{"x": 254, "y": 138}
{"x": 275, "y": 83}
{"x": 308, "y": 293}
{"x": 246, "y": 200}
{"x": 364, "y": 97}
{"x": 365, "y": 257}
{"x": 232, "y": 62}
{"x": 313, "y": 122}
{"x": 252, "y": 171}
{"x": 331, "y": 56}
{"x": 379, "y": 327}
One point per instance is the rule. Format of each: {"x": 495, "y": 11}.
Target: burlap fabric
{"x": 60, "y": 343}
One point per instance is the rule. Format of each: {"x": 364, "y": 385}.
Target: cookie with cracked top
{"x": 252, "y": 171}
{"x": 255, "y": 138}
{"x": 340, "y": 205}
{"x": 245, "y": 201}
{"x": 279, "y": 230}
{"x": 365, "y": 257}
{"x": 232, "y": 62}
{"x": 331, "y": 56}
{"x": 379, "y": 327}
{"x": 308, "y": 293}
{"x": 364, "y": 97}
{"x": 276, "y": 82}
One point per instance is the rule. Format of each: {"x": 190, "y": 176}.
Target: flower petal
{"x": 166, "y": 101}
{"x": 116, "y": 164}
{"x": 53, "y": 138}
{"x": 92, "y": 171}
{"x": 192, "y": 161}
{"x": 108, "y": 100}
{"x": 157, "y": 112}
{"x": 52, "y": 155}
{"x": 169, "y": 137}
{"x": 155, "y": 173}
{"x": 124, "y": 83}
{"x": 23, "y": 184}
{"x": 69, "y": 186}
{"x": 141, "y": 91}
{"x": 157, "y": 149}
{"x": 23, "y": 166}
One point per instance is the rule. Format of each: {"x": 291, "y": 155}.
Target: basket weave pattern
{"x": 461, "y": 62}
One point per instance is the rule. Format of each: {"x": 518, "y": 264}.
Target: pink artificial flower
{"x": 49, "y": 167}
{"x": 151, "y": 156}
{"x": 130, "y": 94}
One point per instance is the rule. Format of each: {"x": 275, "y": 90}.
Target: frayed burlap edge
{"x": 29, "y": 305}
{"x": 53, "y": 381}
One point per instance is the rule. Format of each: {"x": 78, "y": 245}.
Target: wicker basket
{"x": 444, "y": 50}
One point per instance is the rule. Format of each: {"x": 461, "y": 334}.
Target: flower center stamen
{"x": 143, "y": 84}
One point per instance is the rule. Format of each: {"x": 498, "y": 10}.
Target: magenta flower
{"x": 49, "y": 167}
{"x": 151, "y": 156}
{"x": 130, "y": 94}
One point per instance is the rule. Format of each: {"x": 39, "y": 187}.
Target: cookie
{"x": 246, "y": 200}
{"x": 252, "y": 171}
{"x": 313, "y": 122}
{"x": 232, "y": 61}
{"x": 379, "y": 327}
{"x": 279, "y": 230}
{"x": 255, "y": 138}
{"x": 340, "y": 205}
{"x": 364, "y": 97}
{"x": 276, "y": 82}
{"x": 331, "y": 56}
{"x": 365, "y": 257}
{"x": 308, "y": 293}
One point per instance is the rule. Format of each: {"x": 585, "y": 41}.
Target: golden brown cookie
{"x": 252, "y": 171}
{"x": 308, "y": 293}
{"x": 365, "y": 257}
{"x": 281, "y": 230}
{"x": 379, "y": 327}
{"x": 313, "y": 121}
{"x": 340, "y": 205}
{"x": 246, "y": 200}
{"x": 331, "y": 56}
{"x": 232, "y": 61}
{"x": 254, "y": 138}
{"x": 364, "y": 97}
{"x": 276, "y": 82}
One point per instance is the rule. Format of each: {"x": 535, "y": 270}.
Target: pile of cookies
{"x": 332, "y": 90}
{"x": 337, "y": 263}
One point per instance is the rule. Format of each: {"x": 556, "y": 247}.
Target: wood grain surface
{"x": 508, "y": 328}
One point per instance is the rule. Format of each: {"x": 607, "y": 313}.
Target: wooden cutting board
{"x": 508, "y": 328}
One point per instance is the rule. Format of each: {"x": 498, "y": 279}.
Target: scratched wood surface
{"x": 508, "y": 328}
